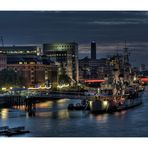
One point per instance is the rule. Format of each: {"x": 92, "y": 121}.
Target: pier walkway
{"x": 11, "y": 100}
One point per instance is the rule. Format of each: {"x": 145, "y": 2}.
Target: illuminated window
{"x": 32, "y": 62}
{"x": 20, "y": 62}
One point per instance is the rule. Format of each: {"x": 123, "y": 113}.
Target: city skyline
{"x": 73, "y": 74}
{"x": 108, "y": 28}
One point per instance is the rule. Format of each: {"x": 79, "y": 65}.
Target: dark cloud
{"x": 108, "y": 28}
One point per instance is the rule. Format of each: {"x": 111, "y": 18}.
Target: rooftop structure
{"x": 20, "y": 50}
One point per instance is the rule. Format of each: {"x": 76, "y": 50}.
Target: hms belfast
{"x": 121, "y": 89}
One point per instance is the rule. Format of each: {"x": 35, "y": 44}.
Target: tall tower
{"x": 93, "y": 50}
{"x": 127, "y": 66}
{"x": 126, "y": 54}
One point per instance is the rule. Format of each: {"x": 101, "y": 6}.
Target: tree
{"x": 9, "y": 77}
{"x": 64, "y": 79}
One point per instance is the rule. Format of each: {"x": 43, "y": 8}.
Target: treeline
{"x": 9, "y": 77}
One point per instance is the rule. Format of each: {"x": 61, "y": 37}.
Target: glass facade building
{"x": 65, "y": 54}
{"x": 21, "y": 50}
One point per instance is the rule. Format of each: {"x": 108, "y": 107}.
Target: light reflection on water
{"x": 52, "y": 118}
{"x": 102, "y": 118}
{"x": 120, "y": 114}
{"x": 4, "y": 113}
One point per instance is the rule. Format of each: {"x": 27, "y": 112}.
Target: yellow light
{"x": 31, "y": 88}
{"x": 105, "y": 104}
{"x": 4, "y": 113}
{"x": 62, "y": 101}
{"x": 135, "y": 78}
{"x": 90, "y": 103}
{"x": 39, "y": 87}
{"x": 11, "y": 87}
{"x": 32, "y": 63}
{"x": 59, "y": 86}
{"x": 4, "y": 88}
{"x": 62, "y": 86}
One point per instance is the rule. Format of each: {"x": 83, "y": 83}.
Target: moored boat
{"x": 83, "y": 105}
{"x": 121, "y": 90}
{"x": 113, "y": 103}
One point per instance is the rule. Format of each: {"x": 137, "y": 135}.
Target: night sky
{"x": 108, "y": 28}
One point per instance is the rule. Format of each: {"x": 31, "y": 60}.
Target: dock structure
{"x": 12, "y": 100}
{"x": 6, "y": 131}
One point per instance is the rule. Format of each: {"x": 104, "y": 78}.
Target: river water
{"x": 52, "y": 119}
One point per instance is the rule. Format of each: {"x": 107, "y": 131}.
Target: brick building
{"x": 32, "y": 70}
{"x": 3, "y": 61}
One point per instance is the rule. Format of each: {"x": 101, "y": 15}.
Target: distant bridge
{"x": 57, "y": 96}
{"x": 11, "y": 100}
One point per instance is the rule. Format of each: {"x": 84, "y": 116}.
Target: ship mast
{"x": 126, "y": 56}
{"x": 126, "y": 65}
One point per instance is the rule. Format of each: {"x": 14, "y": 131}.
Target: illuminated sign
{"x": 144, "y": 79}
{"x": 94, "y": 81}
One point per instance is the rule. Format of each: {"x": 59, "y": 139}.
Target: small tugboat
{"x": 84, "y": 105}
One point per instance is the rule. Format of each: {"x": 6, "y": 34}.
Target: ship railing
{"x": 17, "y": 128}
{"x": 110, "y": 97}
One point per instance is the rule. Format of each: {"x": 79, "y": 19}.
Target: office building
{"x": 3, "y": 61}
{"x": 65, "y": 55}
{"x": 32, "y": 70}
{"x": 21, "y": 50}
{"x": 93, "y": 69}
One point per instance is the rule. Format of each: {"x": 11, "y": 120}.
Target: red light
{"x": 144, "y": 79}
{"x": 93, "y": 81}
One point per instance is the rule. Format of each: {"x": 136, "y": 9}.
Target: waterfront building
{"x": 32, "y": 70}
{"x": 51, "y": 72}
{"x": 93, "y": 50}
{"x": 21, "y": 50}
{"x": 65, "y": 55}
{"x": 3, "y": 61}
{"x": 93, "y": 69}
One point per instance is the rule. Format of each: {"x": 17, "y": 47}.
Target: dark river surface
{"x": 52, "y": 119}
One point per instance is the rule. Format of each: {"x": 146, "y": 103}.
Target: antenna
{"x": 125, "y": 43}
{"x": 126, "y": 54}
{"x": 117, "y": 49}
{"x": 2, "y": 41}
